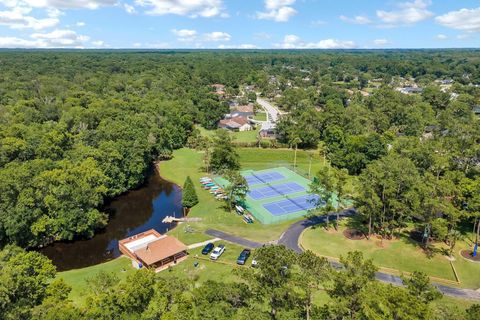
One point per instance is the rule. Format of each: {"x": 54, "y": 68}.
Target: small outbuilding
{"x": 151, "y": 249}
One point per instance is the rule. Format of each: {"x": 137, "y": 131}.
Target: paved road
{"x": 291, "y": 237}
{"x": 233, "y": 239}
{"x": 202, "y": 244}
{"x": 271, "y": 110}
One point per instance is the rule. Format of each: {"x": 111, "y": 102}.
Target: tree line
{"x": 284, "y": 285}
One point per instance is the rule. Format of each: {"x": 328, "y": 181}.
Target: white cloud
{"x": 13, "y": 42}
{"x": 441, "y": 37}
{"x": 463, "y": 36}
{"x": 158, "y": 45}
{"x": 129, "y": 8}
{"x": 80, "y": 24}
{"x": 407, "y": 13}
{"x": 54, "y": 12}
{"x": 185, "y": 35}
{"x": 60, "y": 4}
{"x": 192, "y": 8}
{"x": 98, "y": 43}
{"x": 239, "y": 46}
{"x": 465, "y": 19}
{"x": 217, "y": 36}
{"x": 381, "y": 42}
{"x": 54, "y": 39}
{"x": 277, "y": 10}
{"x": 275, "y": 4}
{"x": 17, "y": 18}
{"x": 295, "y": 42}
{"x": 356, "y": 19}
{"x": 61, "y": 38}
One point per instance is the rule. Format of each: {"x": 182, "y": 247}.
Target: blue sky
{"x": 323, "y": 24}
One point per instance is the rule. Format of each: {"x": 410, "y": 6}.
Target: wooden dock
{"x": 170, "y": 219}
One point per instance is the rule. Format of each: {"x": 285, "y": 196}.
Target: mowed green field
{"x": 244, "y": 136}
{"x": 400, "y": 254}
{"x": 77, "y": 278}
{"x": 260, "y": 116}
{"x": 187, "y": 162}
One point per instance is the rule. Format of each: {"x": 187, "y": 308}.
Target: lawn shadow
{"x": 413, "y": 239}
{"x": 357, "y": 222}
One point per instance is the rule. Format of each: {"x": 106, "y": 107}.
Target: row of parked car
{"x": 216, "y": 252}
{"x": 213, "y": 188}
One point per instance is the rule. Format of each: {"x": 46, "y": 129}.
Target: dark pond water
{"x": 131, "y": 213}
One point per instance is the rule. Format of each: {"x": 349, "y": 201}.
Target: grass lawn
{"x": 221, "y": 270}
{"x": 244, "y": 136}
{"x": 187, "y": 162}
{"x": 206, "y": 270}
{"x": 401, "y": 254}
{"x": 260, "y": 116}
{"x": 77, "y": 278}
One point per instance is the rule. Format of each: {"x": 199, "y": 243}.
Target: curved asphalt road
{"x": 291, "y": 237}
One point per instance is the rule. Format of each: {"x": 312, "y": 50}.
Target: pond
{"x": 134, "y": 212}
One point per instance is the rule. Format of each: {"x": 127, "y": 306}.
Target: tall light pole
{"x": 295, "y": 141}
{"x": 310, "y": 165}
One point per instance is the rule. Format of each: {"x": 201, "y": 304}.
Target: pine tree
{"x": 189, "y": 196}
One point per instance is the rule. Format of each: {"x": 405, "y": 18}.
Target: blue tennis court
{"x": 266, "y": 177}
{"x": 302, "y": 203}
{"x": 275, "y": 190}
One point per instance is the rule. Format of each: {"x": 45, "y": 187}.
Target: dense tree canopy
{"x": 281, "y": 287}
{"x": 99, "y": 120}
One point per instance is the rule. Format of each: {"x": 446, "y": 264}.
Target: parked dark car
{"x": 207, "y": 248}
{"x": 242, "y": 258}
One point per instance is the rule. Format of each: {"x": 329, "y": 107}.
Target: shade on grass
{"x": 402, "y": 254}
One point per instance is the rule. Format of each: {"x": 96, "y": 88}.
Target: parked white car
{"x": 217, "y": 252}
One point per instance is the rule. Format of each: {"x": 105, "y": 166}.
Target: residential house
{"x": 410, "y": 90}
{"x": 268, "y": 130}
{"x": 219, "y": 89}
{"x": 235, "y": 124}
{"x": 242, "y": 111}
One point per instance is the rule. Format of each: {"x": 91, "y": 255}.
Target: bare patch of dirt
{"x": 382, "y": 244}
{"x": 353, "y": 234}
{"x": 467, "y": 254}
